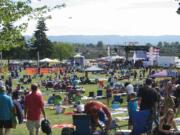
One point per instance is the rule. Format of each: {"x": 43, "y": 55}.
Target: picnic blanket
{"x": 122, "y": 109}
{"x": 121, "y": 118}
{"x": 114, "y": 113}
{"x": 63, "y": 125}
{"x": 119, "y": 111}
{"x": 68, "y": 113}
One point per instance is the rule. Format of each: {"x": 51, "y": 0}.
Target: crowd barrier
{"x": 33, "y": 71}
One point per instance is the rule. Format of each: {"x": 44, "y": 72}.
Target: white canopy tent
{"x": 117, "y": 57}
{"x": 46, "y": 60}
{"x": 55, "y": 61}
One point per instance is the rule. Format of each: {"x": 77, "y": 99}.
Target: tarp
{"x": 160, "y": 74}
{"x": 93, "y": 69}
{"x": 165, "y": 73}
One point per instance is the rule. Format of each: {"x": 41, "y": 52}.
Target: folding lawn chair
{"x": 141, "y": 122}
{"x": 82, "y": 123}
{"x": 99, "y": 94}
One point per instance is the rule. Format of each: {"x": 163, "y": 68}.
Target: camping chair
{"x": 117, "y": 98}
{"x": 82, "y": 123}
{"x": 99, "y": 94}
{"x": 91, "y": 94}
{"x": 141, "y": 122}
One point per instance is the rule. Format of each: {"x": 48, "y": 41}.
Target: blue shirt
{"x": 6, "y": 106}
{"x": 132, "y": 106}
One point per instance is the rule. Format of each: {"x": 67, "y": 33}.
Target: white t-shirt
{"x": 130, "y": 89}
{"x": 80, "y": 108}
{"x": 58, "y": 109}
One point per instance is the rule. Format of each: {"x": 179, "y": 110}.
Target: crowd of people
{"x": 161, "y": 99}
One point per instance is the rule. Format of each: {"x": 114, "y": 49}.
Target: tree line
{"x": 14, "y": 46}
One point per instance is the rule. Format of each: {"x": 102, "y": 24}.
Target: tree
{"x": 178, "y": 10}
{"x": 11, "y": 12}
{"x": 41, "y": 43}
{"x": 100, "y": 44}
{"x": 62, "y": 50}
{"x": 149, "y": 44}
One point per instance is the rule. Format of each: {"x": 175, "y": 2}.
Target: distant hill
{"x": 113, "y": 39}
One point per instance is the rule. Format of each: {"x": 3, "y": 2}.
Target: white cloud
{"x": 120, "y": 17}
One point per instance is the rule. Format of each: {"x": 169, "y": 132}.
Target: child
{"x": 132, "y": 106}
{"x": 58, "y": 109}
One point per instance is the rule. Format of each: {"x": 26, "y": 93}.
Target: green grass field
{"x": 61, "y": 118}
{"x": 51, "y": 115}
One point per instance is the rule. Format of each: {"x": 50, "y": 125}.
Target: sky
{"x": 111, "y": 17}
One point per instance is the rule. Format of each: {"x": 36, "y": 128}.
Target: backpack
{"x": 46, "y": 126}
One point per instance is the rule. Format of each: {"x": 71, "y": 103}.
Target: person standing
{"x": 6, "y": 111}
{"x": 33, "y": 107}
{"x": 132, "y": 107}
{"x": 148, "y": 98}
{"x": 129, "y": 89}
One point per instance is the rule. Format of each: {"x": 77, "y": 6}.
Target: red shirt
{"x": 92, "y": 109}
{"x": 34, "y": 104}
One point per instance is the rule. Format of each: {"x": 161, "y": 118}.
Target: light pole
{"x": 38, "y": 59}
{"x": 1, "y": 59}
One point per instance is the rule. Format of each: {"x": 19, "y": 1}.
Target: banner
{"x": 31, "y": 71}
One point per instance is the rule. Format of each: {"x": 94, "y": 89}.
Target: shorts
{"x": 5, "y": 124}
{"x": 31, "y": 124}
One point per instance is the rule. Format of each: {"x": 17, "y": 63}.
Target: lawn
{"x": 51, "y": 115}
{"x": 61, "y": 118}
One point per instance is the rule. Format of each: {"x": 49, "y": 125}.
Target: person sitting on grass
{"x": 79, "y": 107}
{"x": 167, "y": 124}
